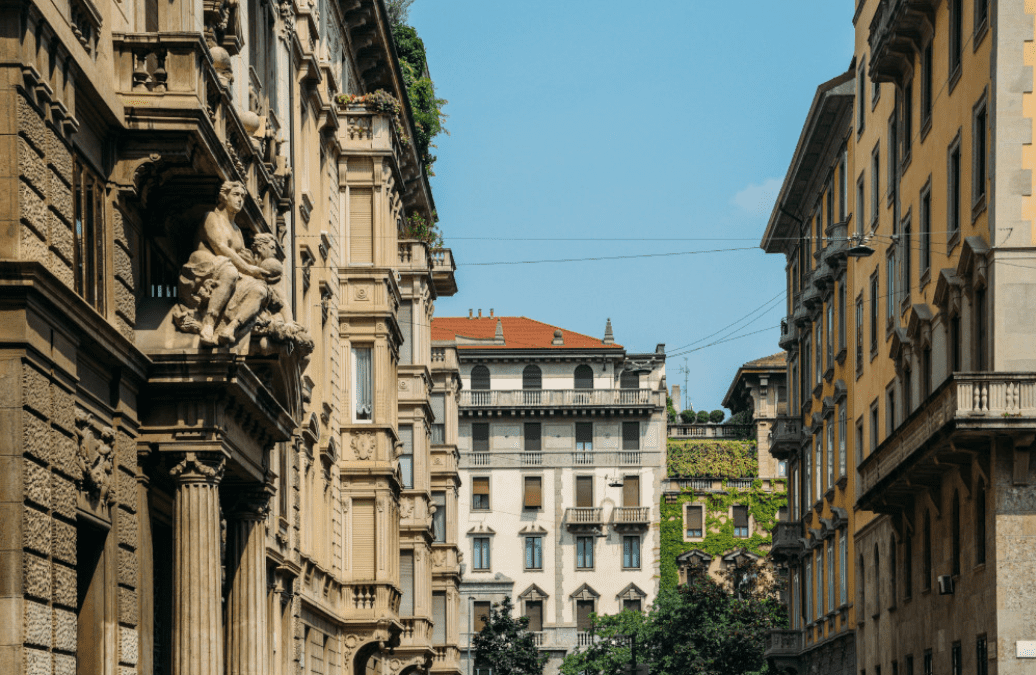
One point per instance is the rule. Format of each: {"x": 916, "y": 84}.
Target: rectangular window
{"x": 584, "y": 436}
{"x": 843, "y": 424}
{"x": 585, "y": 553}
{"x": 955, "y": 343}
{"x": 534, "y": 610}
{"x": 88, "y": 234}
{"x": 874, "y": 313}
{"x": 890, "y": 285}
{"x": 406, "y": 458}
{"x": 830, "y": 453}
{"x": 831, "y": 334}
{"x": 631, "y": 552}
{"x": 820, "y": 584}
{"x": 533, "y": 492}
{"x": 480, "y": 493}
{"x": 584, "y": 491}
{"x": 861, "y": 79}
{"x": 806, "y": 363}
{"x": 909, "y": 665}
{"x": 533, "y": 442}
{"x": 981, "y": 653}
{"x": 956, "y": 659}
{"x": 631, "y": 605}
{"x": 807, "y": 479}
{"x": 819, "y": 367}
{"x": 890, "y": 411}
{"x": 841, "y": 314}
{"x": 843, "y": 567}
{"x": 926, "y": 84}
{"x": 363, "y": 385}
{"x": 843, "y": 188}
{"x": 439, "y": 618}
{"x": 740, "y": 521}
{"x": 481, "y": 614}
{"x": 861, "y": 205}
{"x": 908, "y": 271}
{"x": 925, "y": 234}
{"x": 631, "y": 435}
{"x": 978, "y": 174}
{"x": 928, "y": 662}
{"x": 439, "y": 517}
{"x": 534, "y": 553}
{"x": 584, "y": 608}
{"x": 926, "y": 372}
{"x": 953, "y": 192}
{"x": 893, "y": 152}
{"x": 406, "y": 580}
{"x": 480, "y": 553}
{"x": 480, "y": 437}
{"x": 956, "y": 35}
{"x": 875, "y": 183}
{"x": 818, "y": 464}
{"x": 807, "y": 583}
{"x": 908, "y": 119}
{"x": 859, "y": 435}
{"x": 693, "y": 521}
{"x": 859, "y": 333}
{"x": 874, "y": 426}
{"x": 831, "y": 574}
{"x": 980, "y": 328}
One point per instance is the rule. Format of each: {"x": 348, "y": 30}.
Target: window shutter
{"x": 584, "y": 491}
{"x": 584, "y": 432}
{"x": 406, "y": 350}
{"x": 631, "y": 435}
{"x": 740, "y": 516}
{"x": 584, "y": 377}
{"x": 363, "y": 539}
{"x": 631, "y": 605}
{"x": 439, "y": 407}
{"x": 629, "y": 380}
{"x": 532, "y": 378}
{"x": 439, "y": 517}
{"x": 694, "y": 518}
{"x": 480, "y": 377}
{"x": 361, "y": 225}
{"x": 481, "y": 614}
{"x": 533, "y": 436}
{"x": 439, "y": 617}
{"x": 406, "y": 458}
{"x": 406, "y": 579}
{"x": 480, "y": 486}
{"x": 631, "y": 491}
{"x": 533, "y": 492}
{"x": 480, "y": 437}
{"x": 534, "y": 610}
{"x": 583, "y": 610}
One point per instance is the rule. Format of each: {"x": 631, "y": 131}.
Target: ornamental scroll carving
{"x": 95, "y": 457}
{"x": 228, "y": 292}
{"x": 362, "y": 444}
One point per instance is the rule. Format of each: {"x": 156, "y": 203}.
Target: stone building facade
{"x": 562, "y": 444}
{"x": 218, "y": 405}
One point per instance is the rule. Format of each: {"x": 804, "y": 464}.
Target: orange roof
{"x": 519, "y": 333}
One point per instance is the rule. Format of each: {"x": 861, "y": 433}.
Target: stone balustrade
{"x": 558, "y": 458}
{"x": 371, "y": 600}
{"x": 737, "y": 431}
{"x": 561, "y": 398}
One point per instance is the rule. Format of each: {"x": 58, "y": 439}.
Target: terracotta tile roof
{"x": 778, "y": 360}
{"x": 519, "y": 333}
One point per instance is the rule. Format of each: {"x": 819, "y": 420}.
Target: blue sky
{"x": 627, "y": 129}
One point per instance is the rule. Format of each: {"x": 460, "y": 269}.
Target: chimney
{"x": 480, "y": 313}
{"x": 499, "y": 330}
{"x": 471, "y": 313}
{"x": 490, "y": 312}
{"x": 676, "y": 398}
{"x": 559, "y": 338}
{"x": 609, "y": 338}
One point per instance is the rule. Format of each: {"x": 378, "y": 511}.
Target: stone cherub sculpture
{"x": 227, "y": 290}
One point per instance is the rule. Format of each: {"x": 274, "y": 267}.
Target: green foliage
{"x": 700, "y": 628}
{"x": 424, "y": 104}
{"x": 715, "y": 458}
{"x": 398, "y": 10}
{"x": 703, "y": 417}
{"x": 688, "y": 416}
{"x": 743, "y": 418}
{"x": 670, "y": 410}
{"x": 506, "y": 643}
{"x": 379, "y": 101}
{"x": 418, "y": 228}
{"x": 717, "y": 416}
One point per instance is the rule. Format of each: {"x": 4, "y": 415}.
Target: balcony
{"x": 446, "y": 659}
{"x": 631, "y": 518}
{"x": 552, "y": 400}
{"x": 584, "y": 519}
{"x": 371, "y": 601}
{"x": 783, "y": 647}
{"x": 785, "y": 437}
{"x": 413, "y": 255}
{"x": 558, "y": 458}
{"x": 896, "y": 33}
{"x": 443, "y": 269}
{"x": 735, "y": 431}
{"x": 951, "y": 428}
{"x": 787, "y": 540}
{"x": 417, "y": 633}
{"x": 789, "y": 335}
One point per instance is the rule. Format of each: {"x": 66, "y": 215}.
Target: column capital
{"x": 199, "y": 467}
{"x": 251, "y": 503}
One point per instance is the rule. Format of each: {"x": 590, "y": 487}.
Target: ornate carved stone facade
{"x": 205, "y": 326}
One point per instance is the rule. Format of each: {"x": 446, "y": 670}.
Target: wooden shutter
{"x": 533, "y": 436}
{"x": 480, "y": 486}
{"x": 405, "y": 318}
{"x": 740, "y": 516}
{"x": 532, "y": 378}
{"x": 584, "y": 491}
{"x": 363, "y": 539}
{"x": 480, "y": 377}
{"x": 694, "y": 518}
{"x": 584, "y": 433}
{"x": 583, "y": 610}
{"x": 533, "y": 492}
{"x": 584, "y": 377}
{"x": 631, "y": 491}
{"x": 481, "y": 614}
{"x": 534, "y": 610}
{"x": 480, "y": 437}
{"x": 629, "y": 380}
{"x": 361, "y": 225}
{"x": 631, "y": 435}
{"x": 406, "y": 580}
{"x": 439, "y": 617}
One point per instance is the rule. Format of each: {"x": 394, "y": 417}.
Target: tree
{"x": 398, "y": 10}
{"x": 703, "y": 417}
{"x": 688, "y": 416}
{"x": 742, "y": 417}
{"x": 505, "y": 642}
{"x": 705, "y": 627}
{"x": 717, "y": 416}
{"x": 670, "y": 410}
{"x": 425, "y": 106}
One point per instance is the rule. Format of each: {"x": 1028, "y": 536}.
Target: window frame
{"x": 89, "y": 208}
{"x": 979, "y": 155}
{"x": 954, "y": 193}
{"x": 526, "y": 480}
{"x": 631, "y": 549}
{"x": 533, "y": 545}
{"x": 357, "y": 391}
{"x": 585, "y": 550}
{"x": 481, "y": 555}
{"x": 741, "y": 532}
{"x": 701, "y": 532}
{"x": 476, "y": 504}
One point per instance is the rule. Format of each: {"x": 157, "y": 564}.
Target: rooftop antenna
{"x": 687, "y": 392}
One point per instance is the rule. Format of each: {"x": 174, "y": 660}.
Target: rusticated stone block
{"x": 123, "y": 265}
{"x": 64, "y": 664}
{"x": 59, "y": 157}
{"x": 127, "y": 567}
{"x": 126, "y": 452}
{"x": 125, "y": 303}
{"x": 36, "y": 574}
{"x": 64, "y": 630}
{"x": 31, "y": 166}
{"x": 61, "y": 241}
{"x": 36, "y": 438}
{"x": 37, "y": 623}
{"x": 128, "y": 646}
{"x": 127, "y": 524}
{"x": 64, "y": 453}
{"x": 36, "y": 390}
{"x": 127, "y": 490}
{"x": 32, "y": 210}
{"x": 64, "y": 547}
{"x": 119, "y": 229}
{"x": 127, "y": 670}
{"x": 37, "y": 662}
{"x": 64, "y": 412}
{"x": 63, "y": 496}
{"x": 64, "y": 585}
{"x": 36, "y": 479}
{"x": 36, "y": 531}
{"x": 61, "y": 200}
{"x": 60, "y": 269}
{"x": 31, "y": 126}
{"x": 128, "y": 612}
{"x": 32, "y": 246}
{"x": 124, "y": 328}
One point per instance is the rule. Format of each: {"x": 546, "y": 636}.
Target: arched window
{"x": 955, "y": 531}
{"x": 629, "y": 380}
{"x": 532, "y": 378}
{"x": 584, "y": 377}
{"x": 480, "y": 377}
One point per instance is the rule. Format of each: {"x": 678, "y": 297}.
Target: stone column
{"x": 247, "y": 652}
{"x": 197, "y": 541}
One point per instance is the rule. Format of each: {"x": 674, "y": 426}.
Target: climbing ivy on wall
{"x": 716, "y": 459}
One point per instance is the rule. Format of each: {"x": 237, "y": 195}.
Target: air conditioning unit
{"x": 945, "y": 584}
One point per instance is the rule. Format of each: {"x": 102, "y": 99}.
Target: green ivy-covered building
{"x": 723, "y": 491}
